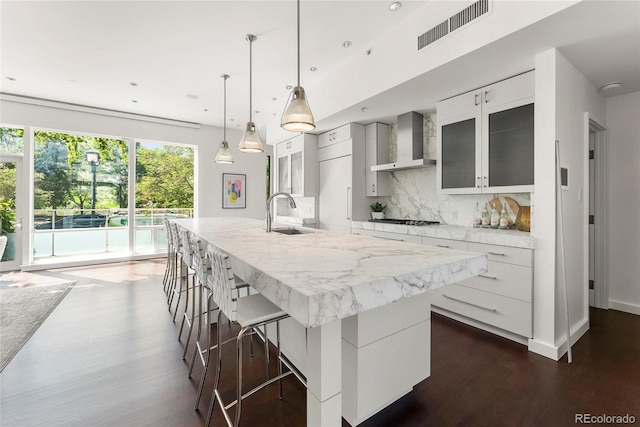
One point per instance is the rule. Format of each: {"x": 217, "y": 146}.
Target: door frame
{"x": 601, "y": 209}
{"x": 17, "y": 262}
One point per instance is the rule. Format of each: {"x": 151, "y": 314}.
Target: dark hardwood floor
{"x": 108, "y": 355}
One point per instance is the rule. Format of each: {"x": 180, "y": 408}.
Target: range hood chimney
{"x": 409, "y": 136}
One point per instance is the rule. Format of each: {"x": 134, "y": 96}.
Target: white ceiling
{"x": 89, "y": 53}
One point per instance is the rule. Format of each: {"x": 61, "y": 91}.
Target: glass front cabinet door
{"x": 296, "y": 166}
{"x": 485, "y": 139}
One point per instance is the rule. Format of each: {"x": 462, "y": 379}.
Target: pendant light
{"x": 251, "y": 142}
{"x": 224, "y": 153}
{"x": 297, "y": 116}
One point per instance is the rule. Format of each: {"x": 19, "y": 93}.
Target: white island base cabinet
{"x": 385, "y": 353}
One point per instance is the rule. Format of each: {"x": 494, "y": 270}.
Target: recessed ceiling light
{"x": 205, "y": 109}
{"x": 133, "y": 83}
{"x": 134, "y": 100}
{"x": 274, "y": 99}
{"x": 611, "y": 86}
{"x": 191, "y": 96}
{"x": 289, "y": 87}
{"x": 396, "y": 5}
{"x": 313, "y": 69}
{"x": 13, "y": 79}
{"x": 346, "y": 43}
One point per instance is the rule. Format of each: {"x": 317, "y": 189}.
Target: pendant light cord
{"x": 298, "y": 42}
{"x": 225, "y": 77}
{"x": 251, "y": 38}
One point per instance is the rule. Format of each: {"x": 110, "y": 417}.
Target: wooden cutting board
{"x": 513, "y": 208}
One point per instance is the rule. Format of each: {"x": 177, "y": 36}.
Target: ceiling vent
{"x": 454, "y": 22}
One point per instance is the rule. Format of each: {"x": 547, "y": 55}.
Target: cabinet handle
{"x": 389, "y": 238}
{"x": 493, "y": 310}
{"x": 476, "y": 99}
{"x": 373, "y": 188}
{"x": 486, "y": 96}
{"x": 477, "y": 182}
{"x": 289, "y": 145}
{"x": 485, "y": 181}
{"x": 444, "y": 246}
{"x": 496, "y": 253}
{"x": 348, "y": 213}
{"x": 488, "y": 277}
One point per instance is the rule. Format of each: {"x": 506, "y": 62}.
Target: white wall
{"x": 623, "y": 125}
{"x": 575, "y": 96}
{"x": 205, "y": 138}
{"x": 563, "y": 96}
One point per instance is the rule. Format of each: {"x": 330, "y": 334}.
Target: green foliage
{"x": 378, "y": 207}
{"x": 7, "y": 180}
{"x": 164, "y": 173}
{"x": 7, "y": 216}
{"x": 11, "y": 140}
{"x": 164, "y": 177}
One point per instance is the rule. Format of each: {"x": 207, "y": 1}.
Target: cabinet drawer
{"x": 444, "y": 243}
{"x": 518, "y": 256}
{"x": 503, "y": 312}
{"x": 509, "y": 280}
{"x": 411, "y": 238}
{"x": 336, "y": 135}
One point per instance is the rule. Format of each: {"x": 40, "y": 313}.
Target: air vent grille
{"x": 468, "y": 14}
{"x": 433, "y": 34}
{"x": 454, "y": 22}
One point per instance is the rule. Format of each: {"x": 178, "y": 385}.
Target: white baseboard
{"x": 624, "y": 306}
{"x": 555, "y": 352}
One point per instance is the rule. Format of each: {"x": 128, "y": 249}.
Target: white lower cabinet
{"x": 500, "y": 298}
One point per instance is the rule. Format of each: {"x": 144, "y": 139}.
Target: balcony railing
{"x": 68, "y": 232}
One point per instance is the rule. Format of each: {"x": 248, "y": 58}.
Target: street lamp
{"x": 93, "y": 158}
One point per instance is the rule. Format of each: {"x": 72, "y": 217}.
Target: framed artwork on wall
{"x": 234, "y": 191}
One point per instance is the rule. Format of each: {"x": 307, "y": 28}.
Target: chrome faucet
{"x": 292, "y": 203}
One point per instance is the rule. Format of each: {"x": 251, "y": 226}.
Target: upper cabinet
{"x": 376, "y": 152}
{"x": 485, "y": 139}
{"x": 296, "y": 166}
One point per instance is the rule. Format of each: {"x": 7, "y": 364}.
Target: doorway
{"x": 598, "y": 258}
{"x": 11, "y": 217}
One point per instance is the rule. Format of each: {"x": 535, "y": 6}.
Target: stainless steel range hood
{"x": 409, "y": 137}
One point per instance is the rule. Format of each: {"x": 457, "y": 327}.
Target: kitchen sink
{"x": 288, "y": 231}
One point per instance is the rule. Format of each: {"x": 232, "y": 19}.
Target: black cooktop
{"x": 405, "y": 221}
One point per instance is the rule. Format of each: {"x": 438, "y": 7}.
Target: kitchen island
{"x": 360, "y": 302}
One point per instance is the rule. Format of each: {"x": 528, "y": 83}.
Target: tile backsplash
{"x": 413, "y": 192}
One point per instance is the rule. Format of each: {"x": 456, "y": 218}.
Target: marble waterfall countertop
{"x": 514, "y": 238}
{"x": 318, "y": 276}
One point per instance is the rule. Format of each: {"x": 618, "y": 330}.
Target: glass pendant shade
{"x": 251, "y": 142}
{"x": 224, "y": 153}
{"x": 297, "y": 116}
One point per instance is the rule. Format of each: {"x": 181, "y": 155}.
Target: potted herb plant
{"x": 378, "y": 210}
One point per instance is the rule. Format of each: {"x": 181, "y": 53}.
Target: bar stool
{"x": 169, "y": 270}
{"x": 178, "y": 271}
{"x": 248, "y": 312}
{"x": 190, "y": 254}
{"x": 202, "y": 265}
